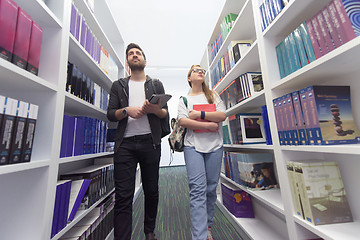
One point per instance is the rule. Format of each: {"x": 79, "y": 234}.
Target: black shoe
{"x": 150, "y": 236}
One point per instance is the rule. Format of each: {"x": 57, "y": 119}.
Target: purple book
{"x": 313, "y": 39}
{"x": 79, "y": 137}
{"x": 345, "y": 22}
{"x": 324, "y": 31}
{"x": 300, "y": 124}
{"x": 331, "y": 27}
{"x": 78, "y": 190}
{"x": 292, "y": 121}
{"x": 321, "y": 40}
{"x": 84, "y": 28}
{"x": 73, "y": 20}
{"x": 77, "y": 26}
{"x": 8, "y": 17}
{"x": 278, "y": 121}
{"x": 338, "y": 24}
{"x": 352, "y": 8}
{"x": 70, "y": 128}
{"x": 238, "y": 202}
{"x": 63, "y": 137}
{"x": 56, "y": 213}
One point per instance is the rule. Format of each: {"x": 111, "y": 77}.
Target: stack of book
{"x": 316, "y": 115}
{"x": 243, "y": 87}
{"x": 83, "y": 87}
{"x": 82, "y": 135}
{"x": 318, "y": 192}
{"x": 17, "y": 129}
{"x": 21, "y": 37}
{"x": 331, "y": 27}
{"x": 85, "y": 36}
{"x": 252, "y": 170}
{"x": 238, "y": 202}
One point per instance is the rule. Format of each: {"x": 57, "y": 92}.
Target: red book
{"x": 8, "y": 17}
{"x": 34, "y": 49}
{"x": 206, "y": 108}
{"x": 22, "y": 39}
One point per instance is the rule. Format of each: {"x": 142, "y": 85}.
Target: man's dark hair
{"x": 134, "y": 45}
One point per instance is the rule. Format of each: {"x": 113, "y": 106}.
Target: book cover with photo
{"x": 252, "y": 127}
{"x": 237, "y": 201}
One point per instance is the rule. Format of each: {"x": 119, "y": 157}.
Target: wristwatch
{"x": 125, "y": 112}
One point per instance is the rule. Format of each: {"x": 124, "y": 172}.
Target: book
{"x": 240, "y": 49}
{"x": 22, "y": 39}
{"x": 300, "y": 47}
{"x": 237, "y": 201}
{"x": 164, "y": 98}
{"x": 324, "y": 31}
{"x": 299, "y": 118}
{"x": 294, "y": 189}
{"x": 235, "y": 129}
{"x": 331, "y": 27}
{"x": 78, "y": 190}
{"x": 33, "y": 60}
{"x": 323, "y": 193}
{"x": 264, "y": 114}
{"x": 252, "y": 127}
{"x": 29, "y": 132}
{"x": 205, "y": 108}
{"x": 18, "y": 132}
{"x": 330, "y": 113}
{"x": 352, "y": 9}
{"x": 255, "y": 82}
{"x": 346, "y": 11}
{"x": 313, "y": 39}
{"x": 302, "y": 29}
{"x": 6, "y": 128}
{"x": 8, "y": 18}
{"x": 61, "y": 206}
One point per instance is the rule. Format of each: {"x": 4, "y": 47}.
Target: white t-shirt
{"x": 204, "y": 142}
{"x": 136, "y": 99}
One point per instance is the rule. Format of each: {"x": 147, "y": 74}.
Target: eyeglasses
{"x": 199, "y": 70}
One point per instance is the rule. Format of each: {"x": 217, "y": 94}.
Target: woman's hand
{"x": 193, "y": 114}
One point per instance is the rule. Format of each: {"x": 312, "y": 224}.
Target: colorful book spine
{"x": 313, "y": 39}
{"x": 345, "y": 22}
{"x": 320, "y": 38}
{"x": 6, "y": 128}
{"x": 29, "y": 132}
{"x": 331, "y": 27}
{"x": 300, "y": 124}
{"x": 324, "y": 31}
{"x": 292, "y": 120}
{"x": 352, "y": 8}
{"x": 8, "y": 18}
{"x": 300, "y": 47}
{"x": 302, "y": 29}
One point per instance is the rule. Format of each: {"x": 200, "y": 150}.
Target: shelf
{"x": 82, "y": 59}
{"x": 40, "y": 13}
{"x": 239, "y": 31}
{"x": 293, "y": 14}
{"x": 329, "y": 67}
{"x": 261, "y": 146}
{"x": 16, "y": 79}
{"x": 348, "y": 231}
{"x": 248, "y": 63}
{"x": 271, "y": 197}
{"x": 84, "y": 156}
{"x": 77, "y": 107}
{"x": 253, "y": 227}
{"x": 79, "y": 215}
{"x": 97, "y": 30}
{"x": 13, "y": 168}
{"x": 248, "y": 105}
{"x": 336, "y": 149}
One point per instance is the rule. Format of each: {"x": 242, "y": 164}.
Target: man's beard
{"x": 136, "y": 67}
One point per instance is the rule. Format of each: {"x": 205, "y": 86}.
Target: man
{"x": 137, "y": 140}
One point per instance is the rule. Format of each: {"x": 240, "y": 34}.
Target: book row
{"x": 17, "y": 129}
{"x": 83, "y": 87}
{"x": 251, "y": 170}
{"x": 21, "y": 38}
{"x": 237, "y": 201}
{"x": 85, "y": 36}
{"x": 235, "y": 51}
{"x": 316, "y": 115}
{"x": 82, "y": 135}
{"x": 79, "y": 190}
{"x": 243, "y": 87}
{"x": 225, "y": 27}
{"x": 245, "y": 128}
{"x": 327, "y": 30}
{"x": 269, "y": 9}
{"x": 318, "y": 192}
{"x": 95, "y": 225}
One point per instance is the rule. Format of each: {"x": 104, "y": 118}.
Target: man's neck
{"x": 138, "y": 76}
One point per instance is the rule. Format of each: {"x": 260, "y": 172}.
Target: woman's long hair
{"x": 209, "y": 94}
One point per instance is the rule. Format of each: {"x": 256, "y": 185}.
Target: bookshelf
{"x": 28, "y": 189}
{"x": 274, "y": 212}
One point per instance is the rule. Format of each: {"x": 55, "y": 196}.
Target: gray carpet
{"x": 173, "y": 219}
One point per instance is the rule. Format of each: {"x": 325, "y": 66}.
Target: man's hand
{"x": 135, "y": 112}
{"x": 151, "y": 108}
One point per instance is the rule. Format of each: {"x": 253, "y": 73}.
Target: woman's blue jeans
{"x": 203, "y": 170}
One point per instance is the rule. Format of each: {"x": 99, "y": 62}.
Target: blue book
{"x": 352, "y": 8}
{"x": 294, "y": 55}
{"x": 280, "y": 61}
{"x": 285, "y": 58}
{"x": 55, "y": 221}
{"x": 64, "y": 137}
{"x": 79, "y": 137}
{"x": 65, "y": 206}
{"x": 70, "y": 128}
{"x": 300, "y": 47}
{"x": 267, "y": 129}
{"x": 78, "y": 190}
{"x": 307, "y": 42}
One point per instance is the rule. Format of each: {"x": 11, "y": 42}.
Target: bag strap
{"x": 185, "y": 100}
{"x": 153, "y": 85}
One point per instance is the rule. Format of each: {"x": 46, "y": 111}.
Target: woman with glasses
{"x": 203, "y": 149}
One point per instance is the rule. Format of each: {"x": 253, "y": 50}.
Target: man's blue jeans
{"x": 203, "y": 170}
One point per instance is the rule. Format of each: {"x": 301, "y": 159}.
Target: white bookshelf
{"x": 274, "y": 208}
{"x": 28, "y": 189}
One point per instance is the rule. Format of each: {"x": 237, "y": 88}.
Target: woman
{"x": 203, "y": 151}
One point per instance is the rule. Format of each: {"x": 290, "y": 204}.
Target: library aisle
{"x": 173, "y": 220}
